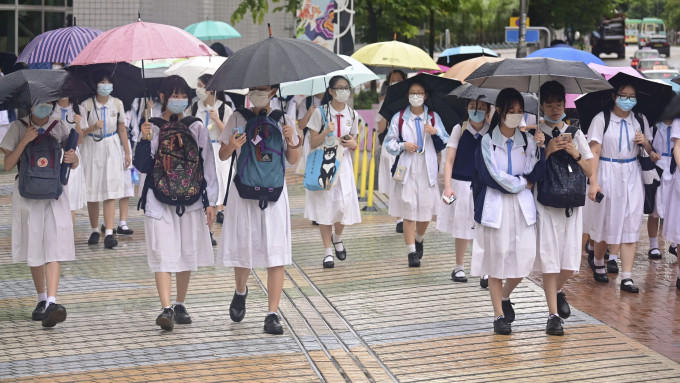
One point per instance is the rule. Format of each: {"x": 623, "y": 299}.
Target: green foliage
{"x": 577, "y": 15}
{"x": 259, "y": 8}
{"x": 671, "y": 14}
{"x": 365, "y": 99}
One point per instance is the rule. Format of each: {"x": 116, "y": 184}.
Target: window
{"x": 54, "y": 20}
{"x": 30, "y": 25}
{"x": 7, "y": 27}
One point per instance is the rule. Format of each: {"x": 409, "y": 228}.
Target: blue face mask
{"x": 42, "y": 110}
{"x": 178, "y": 105}
{"x": 104, "y": 89}
{"x": 626, "y": 104}
{"x": 550, "y": 120}
{"x": 476, "y": 115}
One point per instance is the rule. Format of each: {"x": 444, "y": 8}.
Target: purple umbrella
{"x": 58, "y": 46}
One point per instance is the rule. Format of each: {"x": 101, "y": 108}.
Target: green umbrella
{"x": 212, "y": 30}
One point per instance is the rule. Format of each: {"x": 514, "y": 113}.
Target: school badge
{"x": 42, "y": 162}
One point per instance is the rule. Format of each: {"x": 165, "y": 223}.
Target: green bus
{"x": 651, "y": 27}
{"x": 632, "y": 30}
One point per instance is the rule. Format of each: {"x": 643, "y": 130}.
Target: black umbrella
{"x": 437, "y": 88}
{"x": 467, "y": 92}
{"x": 127, "y": 79}
{"x": 30, "y": 87}
{"x": 652, "y": 98}
{"x": 8, "y": 63}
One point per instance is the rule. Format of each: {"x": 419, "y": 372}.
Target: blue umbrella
{"x": 567, "y": 53}
{"x": 58, "y": 46}
{"x": 453, "y": 56}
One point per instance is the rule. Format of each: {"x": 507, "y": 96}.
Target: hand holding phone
{"x": 598, "y": 197}
{"x": 448, "y": 200}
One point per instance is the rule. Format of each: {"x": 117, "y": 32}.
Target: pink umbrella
{"x": 606, "y": 71}
{"x": 442, "y": 69}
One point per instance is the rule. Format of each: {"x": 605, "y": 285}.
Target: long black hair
{"x": 505, "y": 100}
{"x": 170, "y": 85}
{"x": 205, "y": 79}
{"x": 331, "y": 84}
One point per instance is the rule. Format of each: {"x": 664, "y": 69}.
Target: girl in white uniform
{"x": 505, "y": 236}
{"x": 252, "y": 237}
{"x": 415, "y": 192}
{"x": 558, "y": 230}
{"x": 339, "y": 206}
{"x": 671, "y": 224}
{"x": 174, "y": 243}
{"x": 615, "y": 222}
{"x": 458, "y": 218}
{"x": 42, "y": 232}
{"x": 103, "y": 162}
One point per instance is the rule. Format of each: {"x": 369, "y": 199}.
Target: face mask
{"x": 201, "y": 94}
{"x": 259, "y": 98}
{"x": 394, "y": 82}
{"x": 550, "y": 120}
{"x": 476, "y": 115}
{"x": 416, "y": 100}
{"x": 626, "y": 104}
{"x": 341, "y": 95}
{"x": 104, "y": 89}
{"x": 177, "y": 105}
{"x": 42, "y": 110}
{"x": 57, "y": 66}
{"x": 512, "y": 120}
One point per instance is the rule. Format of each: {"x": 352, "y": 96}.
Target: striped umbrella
{"x": 58, "y": 46}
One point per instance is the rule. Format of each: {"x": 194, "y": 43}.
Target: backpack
{"x": 177, "y": 177}
{"x": 322, "y": 165}
{"x": 439, "y": 145}
{"x": 40, "y": 167}
{"x": 261, "y": 167}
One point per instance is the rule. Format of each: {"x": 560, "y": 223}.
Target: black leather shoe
{"x": 181, "y": 314}
{"x": 400, "y": 227}
{"x": 39, "y": 312}
{"x": 413, "y": 260}
{"x": 612, "y": 267}
{"x": 484, "y": 282}
{"x": 673, "y": 250}
{"x": 272, "y": 325}
{"x": 94, "y": 238}
{"x": 328, "y": 262}
{"x": 341, "y": 255}
{"x": 212, "y": 239}
{"x": 677, "y": 283}
{"x": 219, "y": 217}
{"x": 563, "y": 308}
{"x": 315, "y": 223}
{"x": 237, "y": 308}
{"x": 600, "y": 277}
{"x": 54, "y": 314}
{"x": 419, "y": 249}
{"x": 458, "y": 276}
{"x": 110, "y": 241}
{"x": 102, "y": 229}
{"x": 124, "y": 230}
{"x": 508, "y": 311}
{"x": 591, "y": 260}
{"x": 554, "y": 326}
{"x": 631, "y": 288}
{"x": 654, "y": 254}
{"x": 502, "y": 326}
{"x": 166, "y": 320}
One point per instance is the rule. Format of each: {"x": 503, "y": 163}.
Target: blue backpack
{"x": 40, "y": 167}
{"x": 261, "y": 167}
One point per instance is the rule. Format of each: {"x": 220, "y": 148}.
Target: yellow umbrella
{"x": 463, "y": 69}
{"x": 395, "y": 54}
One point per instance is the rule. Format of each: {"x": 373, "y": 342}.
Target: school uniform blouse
{"x": 662, "y": 141}
{"x": 579, "y": 139}
{"x": 203, "y": 112}
{"x": 457, "y": 133}
{"x": 623, "y": 129}
{"x": 115, "y": 114}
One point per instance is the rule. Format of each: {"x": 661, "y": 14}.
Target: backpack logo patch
{"x": 42, "y": 162}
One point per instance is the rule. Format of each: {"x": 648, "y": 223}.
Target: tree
{"x": 259, "y": 8}
{"x": 672, "y": 14}
{"x": 573, "y": 15}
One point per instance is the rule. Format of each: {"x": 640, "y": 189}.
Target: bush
{"x": 365, "y": 99}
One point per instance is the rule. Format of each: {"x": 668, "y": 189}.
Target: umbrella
{"x": 356, "y": 73}
{"x": 442, "y": 69}
{"x": 395, "y": 54}
{"x": 606, "y": 71}
{"x": 30, "y": 87}
{"x": 58, "y": 46}
{"x": 8, "y": 63}
{"x": 567, "y": 53}
{"x": 127, "y": 79}
{"x": 437, "y": 88}
{"x": 190, "y": 70}
{"x": 464, "y": 68}
{"x": 221, "y": 49}
{"x": 212, "y": 30}
{"x": 470, "y": 92}
{"x": 652, "y": 98}
{"x": 453, "y": 56}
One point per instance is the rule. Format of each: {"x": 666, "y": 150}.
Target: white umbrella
{"x": 191, "y": 69}
{"x": 357, "y": 74}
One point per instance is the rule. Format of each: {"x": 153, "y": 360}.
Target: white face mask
{"x": 201, "y": 94}
{"x": 416, "y": 100}
{"x": 512, "y": 120}
{"x": 259, "y": 98}
{"x": 341, "y": 95}
{"x": 57, "y": 66}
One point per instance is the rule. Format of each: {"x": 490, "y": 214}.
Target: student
{"x": 305, "y": 108}
{"x": 177, "y": 238}
{"x": 558, "y": 230}
{"x": 415, "y": 196}
{"x": 104, "y": 163}
{"x": 42, "y": 232}
{"x": 671, "y": 225}
{"x": 615, "y": 221}
{"x": 505, "y": 234}
{"x": 252, "y": 236}
{"x": 457, "y": 218}
{"x": 338, "y": 207}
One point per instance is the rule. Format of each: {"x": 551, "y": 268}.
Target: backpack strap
{"x": 158, "y": 121}
{"x": 607, "y": 118}
{"x": 324, "y": 118}
{"x": 220, "y": 110}
{"x": 188, "y": 120}
{"x": 400, "y": 124}
{"x": 431, "y": 114}
{"x": 276, "y": 115}
{"x": 246, "y": 113}
{"x": 194, "y": 109}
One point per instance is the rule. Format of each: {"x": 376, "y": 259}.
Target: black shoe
{"x": 181, "y": 314}
{"x": 654, "y": 255}
{"x": 39, "y": 311}
{"x": 110, "y": 241}
{"x": 508, "y": 311}
{"x": 400, "y": 227}
{"x": 94, "y": 238}
{"x": 600, "y": 277}
{"x": 458, "y": 276}
{"x": 673, "y": 250}
{"x": 237, "y": 308}
{"x": 342, "y": 254}
{"x": 554, "y": 326}
{"x": 502, "y": 326}
{"x": 219, "y": 218}
{"x": 166, "y": 320}
{"x": 103, "y": 229}
{"x": 563, "y": 306}
{"x": 272, "y": 325}
{"x": 54, "y": 314}
{"x": 631, "y": 288}
{"x": 124, "y": 230}
{"x": 413, "y": 260}
{"x": 212, "y": 239}
{"x": 484, "y": 282}
{"x": 591, "y": 260}
{"x": 419, "y": 248}
{"x": 612, "y": 267}
{"x": 314, "y": 223}
{"x": 677, "y": 283}
{"x": 328, "y": 262}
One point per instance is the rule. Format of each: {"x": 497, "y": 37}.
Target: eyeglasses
{"x": 416, "y": 94}
{"x": 341, "y": 88}
{"x": 626, "y": 98}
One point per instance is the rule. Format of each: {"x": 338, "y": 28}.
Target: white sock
{"x": 95, "y": 229}
{"x": 459, "y": 268}
{"x": 123, "y": 223}
{"x": 337, "y": 242}
{"x": 51, "y": 300}
{"x": 613, "y": 257}
{"x": 419, "y": 238}
{"x": 627, "y": 275}
{"x": 179, "y": 303}
{"x": 674, "y": 244}
{"x": 271, "y": 312}
{"x": 559, "y": 291}
{"x": 504, "y": 299}
{"x": 411, "y": 248}
{"x": 485, "y": 277}
{"x": 42, "y": 297}
{"x": 599, "y": 262}
{"x": 328, "y": 251}
{"x": 654, "y": 243}
{"x": 108, "y": 232}
{"x": 553, "y": 315}
{"x": 499, "y": 317}
{"x": 241, "y": 293}
{"x": 400, "y": 220}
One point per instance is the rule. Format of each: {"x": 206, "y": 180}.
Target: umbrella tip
{"x": 395, "y": 36}
{"x": 74, "y": 21}
{"x": 139, "y": 16}
{"x": 269, "y": 26}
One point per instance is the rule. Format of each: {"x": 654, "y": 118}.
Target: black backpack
{"x": 40, "y": 167}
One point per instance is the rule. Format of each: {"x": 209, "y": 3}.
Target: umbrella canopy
{"x": 607, "y": 72}
{"x": 275, "y": 61}
{"x": 672, "y": 111}
{"x": 652, "y": 98}
{"x": 395, "y": 54}
{"x": 463, "y": 69}
{"x": 8, "y": 63}
{"x": 442, "y": 69}
{"x": 212, "y": 30}
{"x": 470, "y": 92}
{"x": 190, "y": 70}
{"x": 567, "y": 53}
{"x": 58, "y": 46}
{"x": 356, "y": 73}
{"x": 126, "y": 78}
{"x": 29, "y": 87}
{"x": 453, "y": 56}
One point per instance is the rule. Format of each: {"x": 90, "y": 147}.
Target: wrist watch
{"x": 579, "y": 157}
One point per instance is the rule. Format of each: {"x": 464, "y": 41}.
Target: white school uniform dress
{"x": 103, "y": 161}
{"x": 42, "y": 230}
{"x": 458, "y": 219}
{"x": 75, "y": 189}
{"x": 671, "y": 224}
{"x": 129, "y": 187}
{"x": 252, "y": 237}
{"x": 618, "y": 217}
{"x": 664, "y": 147}
{"x": 558, "y": 237}
{"x": 417, "y": 196}
{"x": 174, "y": 243}
{"x": 222, "y": 167}
{"x": 505, "y": 237}
{"x": 386, "y": 162}
{"x": 340, "y": 204}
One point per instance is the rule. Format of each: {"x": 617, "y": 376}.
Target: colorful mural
{"x": 315, "y": 22}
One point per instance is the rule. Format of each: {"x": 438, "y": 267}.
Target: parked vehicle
{"x": 660, "y": 44}
{"x": 632, "y": 31}
{"x": 610, "y": 37}
{"x": 658, "y": 63}
{"x": 643, "y": 54}
{"x": 665, "y": 75}
{"x": 651, "y": 28}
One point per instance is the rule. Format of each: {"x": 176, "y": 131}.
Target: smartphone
{"x": 346, "y": 137}
{"x": 565, "y": 136}
{"x": 598, "y": 197}
{"x": 447, "y": 200}
{"x": 238, "y": 132}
